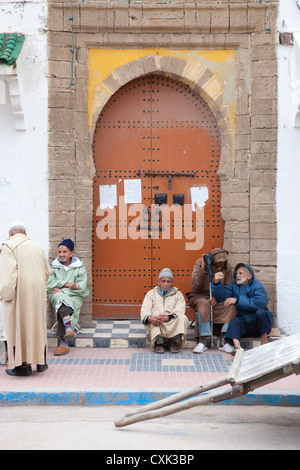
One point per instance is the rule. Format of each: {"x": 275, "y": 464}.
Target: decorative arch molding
{"x": 198, "y": 77}
{"x": 10, "y": 78}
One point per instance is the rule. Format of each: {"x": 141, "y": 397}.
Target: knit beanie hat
{"x": 68, "y": 243}
{"x": 166, "y": 272}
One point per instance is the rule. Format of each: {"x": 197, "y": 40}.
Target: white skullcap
{"x": 17, "y": 223}
{"x": 166, "y": 272}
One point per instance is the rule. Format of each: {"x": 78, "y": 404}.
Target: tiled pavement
{"x": 125, "y": 333}
{"x": 110, "y": 334}
{"x": 115, "y": 366}
{"x": 148, "y": 362}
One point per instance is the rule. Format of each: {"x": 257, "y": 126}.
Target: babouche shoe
{"x": 19, "y": 371}
{"x": 61, "y": 351}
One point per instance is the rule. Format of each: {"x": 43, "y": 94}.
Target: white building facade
{"x": 23, "y": 122}
{"x": 288, "y": 174}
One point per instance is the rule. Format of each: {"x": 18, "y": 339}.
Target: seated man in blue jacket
{"x": 251, "y": 299}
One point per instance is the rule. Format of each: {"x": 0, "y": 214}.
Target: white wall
{"x": 23, "y": 153}
{"x": 288, "y": 177}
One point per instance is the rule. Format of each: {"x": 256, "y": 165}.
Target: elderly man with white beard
{"x": 163, "y": 315}
{"x": 251, "y": 300}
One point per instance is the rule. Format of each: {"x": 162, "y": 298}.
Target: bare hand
{"x": 56, "y": 290}
{"x": 230, "y": 301}
{"x": 213, "y": 301}
{"x": 72, "y": 285}
{"x": 156, "y": 321}
{"x": 218, "y": 277}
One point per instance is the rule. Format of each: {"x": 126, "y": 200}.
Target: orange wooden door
{"x": 157, "y": 136}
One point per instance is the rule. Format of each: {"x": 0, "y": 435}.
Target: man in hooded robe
{"x": 23, "y": 276}
{"x": 66, "y": 289}
{"x": 201, "y": 301}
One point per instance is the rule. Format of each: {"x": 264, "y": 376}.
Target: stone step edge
{"x": 108, "y": 342}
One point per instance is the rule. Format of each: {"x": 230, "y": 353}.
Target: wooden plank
{"x": 180, "y": 396}
{"x": 236, "y": 366}
{"x": 271, "y": 377}
{"x": 213, "y": 397}
{"x": 270, "y": 357}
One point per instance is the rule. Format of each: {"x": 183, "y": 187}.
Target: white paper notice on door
{"x": 199, "y": 195}
{"x": 108, "y": 196}
{"x": 133, "y": 191}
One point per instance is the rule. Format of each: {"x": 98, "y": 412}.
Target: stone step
{"x": 132, "y": 334}
{"x": 2, "y": 353}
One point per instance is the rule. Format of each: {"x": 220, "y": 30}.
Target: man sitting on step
{"x": 163, "y": 314}
{"x": 206, "y": 306}
{"x": 251, "y": 300}
{"x": 66, "y": 289}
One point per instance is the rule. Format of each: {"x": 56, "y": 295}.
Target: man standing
{"x": 251, "y": 300}
{"x": 199, "y": 299}
{"x": 66, "y": 289}
{"x": 163, "y": 314}
{"x": 3, "y": 343}
{"x": 23, "y": 276}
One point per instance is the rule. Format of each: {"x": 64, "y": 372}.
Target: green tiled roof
{"x": 10, "y": 48}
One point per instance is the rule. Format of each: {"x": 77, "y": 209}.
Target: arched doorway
{"x": 156, "y": 150}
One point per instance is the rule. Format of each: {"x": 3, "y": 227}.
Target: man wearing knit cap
{"x": 66, "y": 289}
{"x": 163, "y": 314}
{"x": 251, "y": 300}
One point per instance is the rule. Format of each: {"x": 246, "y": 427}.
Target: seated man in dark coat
{"x": 251, "y": 300}
{"x": 199, "y": 299}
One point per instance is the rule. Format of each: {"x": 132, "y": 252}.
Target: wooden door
{"x": 157, "y": 136}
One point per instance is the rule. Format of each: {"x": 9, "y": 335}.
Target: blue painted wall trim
{"x": 99, "y": 398}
